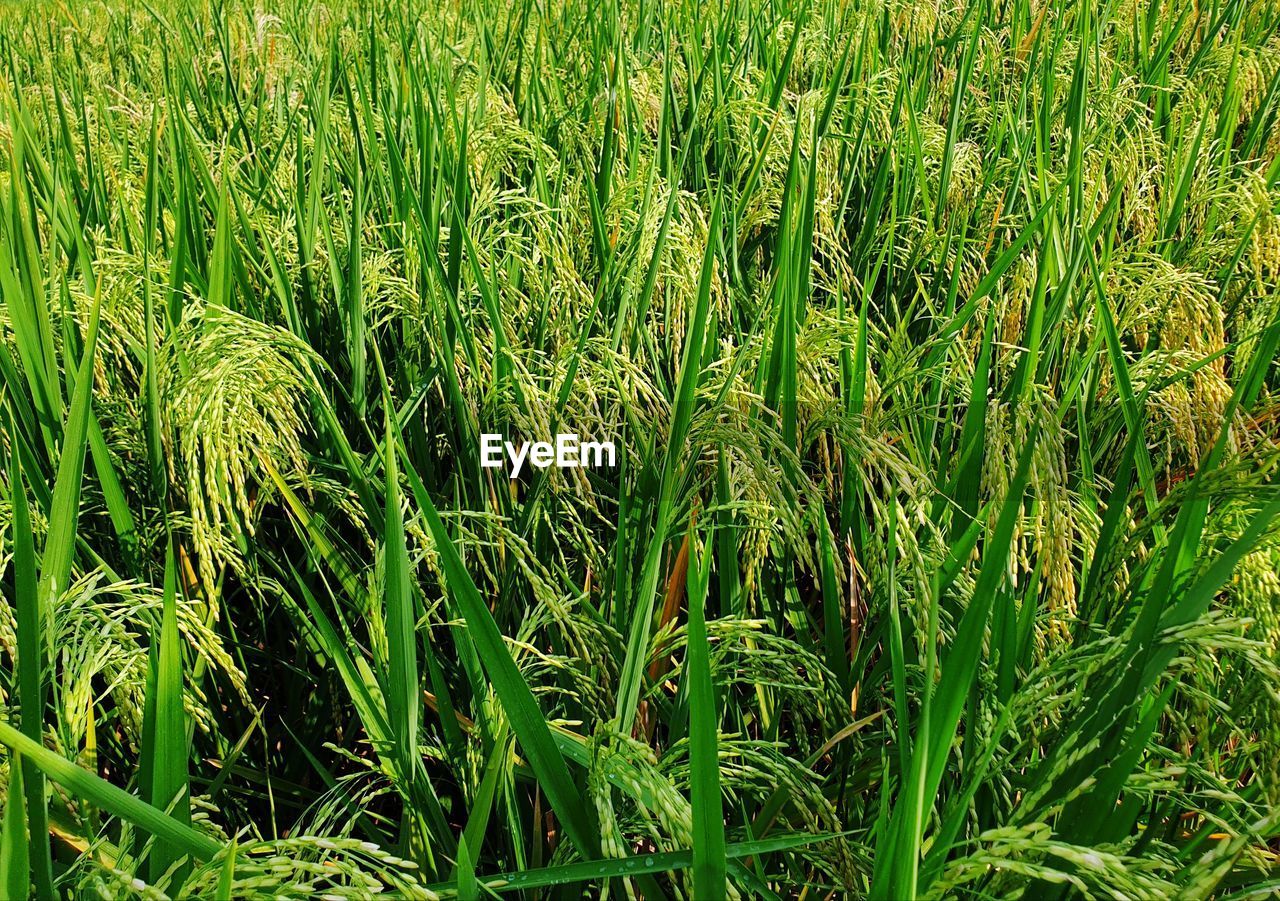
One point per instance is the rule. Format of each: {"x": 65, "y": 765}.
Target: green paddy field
{"x": 938, "y": 343}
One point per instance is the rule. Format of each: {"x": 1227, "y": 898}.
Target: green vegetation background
{"x": 939, "y": 341}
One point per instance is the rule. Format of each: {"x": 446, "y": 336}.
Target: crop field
{"x": 933, "y": 345}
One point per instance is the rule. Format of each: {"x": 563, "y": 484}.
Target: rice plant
{"x": 940, "y": 556}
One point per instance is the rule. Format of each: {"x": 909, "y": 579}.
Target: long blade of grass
{"x": 637, "y": 865}
{"x": 167, "y": 748}
{"x": 83, "y": 784}
{"x": 527, "y": 720}
{"x": 15, "y": 863}
{"x": 633, "y": 666}
{"x": 64, "y": 516}
{"x": 709, "y": 860}
{"x": 31, "y": 667}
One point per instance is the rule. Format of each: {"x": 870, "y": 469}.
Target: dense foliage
{"x": 937, "y": 338}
